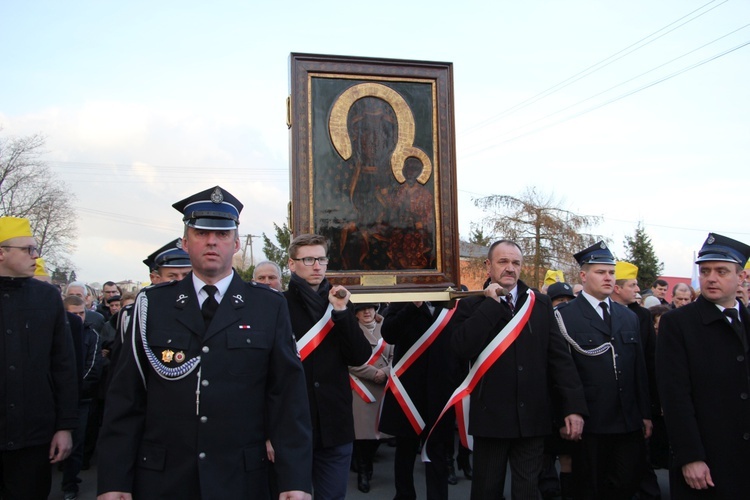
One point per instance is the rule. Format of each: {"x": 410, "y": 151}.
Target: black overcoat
{"x": 619, "y": 403}
{"x": 514, "y": 398}
{"x": 327, "y": 370}
{"x": 39, "y": 386}
{"x": 158, "y": 442}
{"x": 703, "y": 374}
{"x": 429, "y": 381}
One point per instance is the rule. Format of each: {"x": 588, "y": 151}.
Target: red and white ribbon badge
{"x": 356, "y": 383}
{"x": 484, "y": 361}
{"x": 312, "y": 339}
{"x": 416, "y": 350}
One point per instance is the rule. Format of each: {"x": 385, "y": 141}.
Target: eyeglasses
{"x": 309, "y": 261}
{"x": 32, "y": 250}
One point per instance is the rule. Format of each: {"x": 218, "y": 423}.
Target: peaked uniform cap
{"x": 170, "y": 255}
{"x": 14, "y": 227}
{"x": 625, "y": 271}
{"x": 213, "y": 209}
{"x": 561, "y": 289}
{"x": 598, "y": 253}
{"x": 722, "y": 248}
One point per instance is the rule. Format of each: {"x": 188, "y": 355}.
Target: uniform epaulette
{"x": 263, "y": 286}
{"x": 563, "y": 305}
{"x": 160, "y": 285}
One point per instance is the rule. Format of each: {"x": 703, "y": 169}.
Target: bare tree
{"x": 548, "y": 234}
{"x": 28, "y": 189}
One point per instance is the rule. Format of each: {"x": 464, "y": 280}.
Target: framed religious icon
{"x": 373, "y": 169}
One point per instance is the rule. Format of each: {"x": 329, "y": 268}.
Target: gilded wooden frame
{"x": 372, "y": 168}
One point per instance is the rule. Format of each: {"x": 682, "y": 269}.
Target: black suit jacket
{"x": 617, "y": 403}
{"x": 514, "y": 398}
{"x": 703, "y": 372}
{"x": 158, "y": 443}
{"x": 327, "y": 370}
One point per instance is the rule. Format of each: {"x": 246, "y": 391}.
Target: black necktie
{"x": 210, "y": 305}
{"x": 731, "y": 313}
{"x": 509, "y": 301}
{"x": 605, "y": 314}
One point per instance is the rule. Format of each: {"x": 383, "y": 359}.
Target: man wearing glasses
{"x": 39, "y": 388}
{"x": 329, "y": 340}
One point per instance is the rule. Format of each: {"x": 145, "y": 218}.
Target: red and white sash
{"x": 416, "y": 350}
{"x": 484, "y": 361}
{"x": 356, "y": 383}
{"x": 312, "y": 339}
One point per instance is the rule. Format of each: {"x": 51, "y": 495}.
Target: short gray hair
{"x": 79, "y": 284}
{"x": 267, "y": 263}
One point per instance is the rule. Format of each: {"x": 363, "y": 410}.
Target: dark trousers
{"x": 25, "y": 474}
{"x": 609, "y": 465}
{"x": 491, "y": 457}
{"x": 72, "y": 464}
{"x": 331, "y": 471}
{"x": 436, "y": 470}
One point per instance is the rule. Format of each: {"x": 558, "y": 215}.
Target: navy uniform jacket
{"x": 39, "y": 386}
{"x": 616, "y": 404}
{"x": 429, "y": 381}
{"x": 703, "y": 372}
{"x": 157, "y": 442}
{"x": 327, "y": 370}
{"x": 514, "y": 398}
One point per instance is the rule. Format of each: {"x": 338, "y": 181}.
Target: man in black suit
{"x": 510, "y": 410}
{"x": 209, "y": 374}
{"x": 336, "y": 343}
{"x": 703, "y": 372}
{"x": 605, "y": 340}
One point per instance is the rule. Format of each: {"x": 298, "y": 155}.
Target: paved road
{"x": 381, "y": 485}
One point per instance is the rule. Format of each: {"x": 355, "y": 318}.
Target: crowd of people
{"x": 207, "y": 386}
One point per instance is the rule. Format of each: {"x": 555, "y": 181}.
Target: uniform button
{"x": 746, "y": 436}
{"x": 204, "y": 420}
{"x": 11, "y": 444}
{"x": 9, "y": 332}
{"x": 205, "y": 348}
{"x": 521, "y": 404}
{"x": 743, "y": 395}
{"x": 316, "y": 384}
{"x": 144, "y": 459}
{"x": 12, "y": 368}
{"x": 12, "y": 406}
{"x": 520, "y": 368}
{"x": 169, "y": 341}
{"x": 204, "y": 383}
{"x": 740, "y": 358}
{"x": 248, "y": 341}
{"x": 620, "y": 389}
{"x": 202, "y": 456}
{"x": 6, "y": 296}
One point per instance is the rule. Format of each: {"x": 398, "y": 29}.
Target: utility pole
{"x": 248, "y": 241}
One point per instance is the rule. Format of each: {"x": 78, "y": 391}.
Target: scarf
{"x": 315, "y": 302}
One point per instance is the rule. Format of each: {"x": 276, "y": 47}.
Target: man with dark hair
{"x": 605, "y": 341}
{"x": 659, "y": 290}
{"x": 682, "y": 295}
{"x": 329, "y": 340}
{"x": 109, "y": 290}
{"x": 512, "y": 412}
{"x": 703, "y": 363}
{"x": 209, "y": 374}
{"x": 39, "y": 388}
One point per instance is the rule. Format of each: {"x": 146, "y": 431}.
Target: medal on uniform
{"x": 179, "y": 357}
{"x": 166, "y": 356}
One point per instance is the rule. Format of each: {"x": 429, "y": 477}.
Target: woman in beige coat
{"x": 368, "y": 383}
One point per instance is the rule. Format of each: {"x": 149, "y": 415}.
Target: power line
{"x": 605, "y": 103}
{"x": 595, "y": 67}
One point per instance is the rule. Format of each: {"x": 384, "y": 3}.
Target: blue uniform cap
{"x": 213, "y": 209}
{"x": 170, "y": 255}
{"x": 598, "y": 253}
{"x": 721, "y": 248}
